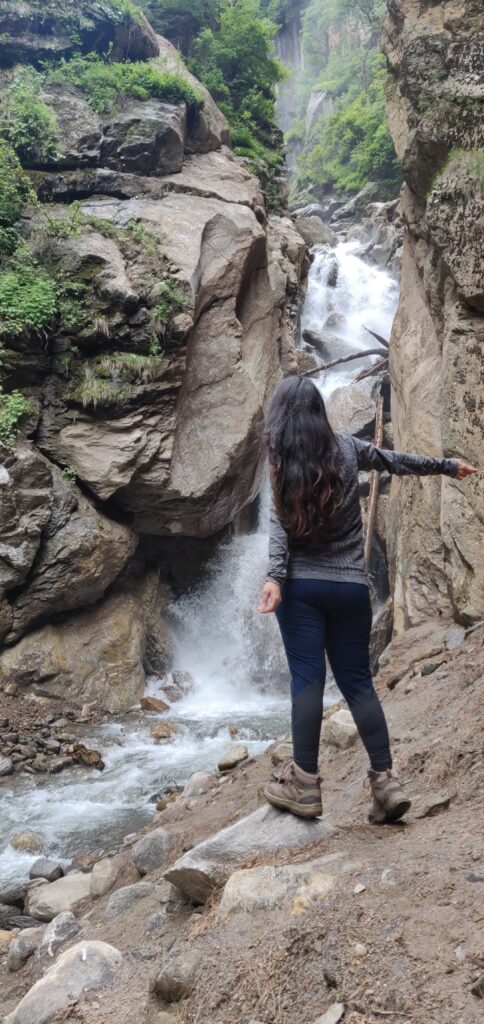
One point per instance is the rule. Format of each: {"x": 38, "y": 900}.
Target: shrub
{"x": 15, "y": 192}
{"x": 28, "y": 298}
{"x": 26, "y": 122}
{"x": 106, "y": 83}
{"x": 12, "y": 408}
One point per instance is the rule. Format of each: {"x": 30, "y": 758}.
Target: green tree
{"x": 236, "y": 62}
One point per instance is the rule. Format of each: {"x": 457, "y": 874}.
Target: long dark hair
{"x": 303, "y": 459}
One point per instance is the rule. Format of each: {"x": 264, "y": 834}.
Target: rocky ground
{"x": 275, "y": 920}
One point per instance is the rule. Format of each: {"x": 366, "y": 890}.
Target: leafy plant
{"x": 170, "y": 300}
{"x": 70, "y": 474}
{"x": 28, "y": 297}
{"x": 106, "y": 83}
{"x": 26, "y": 122}
{"x": 13, "y": 407}
{"x": 15, "y": 193}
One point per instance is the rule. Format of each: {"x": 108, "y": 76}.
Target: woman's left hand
{"x": 271, "y": 597}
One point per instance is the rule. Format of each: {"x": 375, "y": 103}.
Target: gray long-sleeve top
{"x": 340, "y": 557}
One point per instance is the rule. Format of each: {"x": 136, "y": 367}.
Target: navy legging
{"x": 318, "y": 616}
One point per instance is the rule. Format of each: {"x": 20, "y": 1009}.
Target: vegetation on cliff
{"x": 346, "y": 140}
{"x": 229, "y": 46}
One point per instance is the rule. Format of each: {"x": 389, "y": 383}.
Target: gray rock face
{"x": 298, "y": 886}
{"x": 352, "y": 408}
{"x": 339, "y": 730}
{"x": 98, "y": 655}
{"x": 178, "y": 976}
{"x": 62, "y": 927}
{"x": 232, "y": 757}
{"x": 82, "y": 968}
{"x": 151, "y": 851}
{"x": 22, "y": 946}
{"x": 123, "y": 899}
{"x": 103, "y": 875}
{"x": 315, "y": 231}
{"x": 77, "y": 551}
{"x": 30, "y": 32}
{"x": 148, "y": 138}
{"x": 45, "y": 868}
{"x": 211, "y": 863}
{"x": 199, "y": 782}
{"x": 435, "y": 526}
{"x": 46, "y": 901}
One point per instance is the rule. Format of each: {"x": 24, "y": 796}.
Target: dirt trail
{"x": 419, "y": 917}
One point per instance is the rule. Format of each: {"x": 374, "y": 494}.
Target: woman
{"x": 318, "y": 587}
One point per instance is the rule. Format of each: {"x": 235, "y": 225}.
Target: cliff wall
{"x": 435, "y": 91}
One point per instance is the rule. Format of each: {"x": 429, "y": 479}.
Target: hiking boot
{"x": 295, "y": 790}
{"x": 389, "y": 801}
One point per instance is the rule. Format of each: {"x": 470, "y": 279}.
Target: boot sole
{"x": 301, "y": 810}
{"x": 392, "y": 814}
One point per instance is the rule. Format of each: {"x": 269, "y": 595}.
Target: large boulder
{"x": 44, "y": 902}
{"x": 210, "y": 863}
{"x": 85, "y": 967}
{"x": 57, "y": 552}
{"x": 144, "y": 455}
{"x": 97, "y": 655}
{"x": 211, "y": 129}
{"x": 298, "y": 886}
{"x": 352, "y": 407}
{"x": 32, "y": 32}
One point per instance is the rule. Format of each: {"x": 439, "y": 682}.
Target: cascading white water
{"x": 345, "y": 295}
{"x": 234, "y": 655}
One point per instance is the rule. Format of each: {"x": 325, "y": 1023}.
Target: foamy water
{"x": 234, "y": 655}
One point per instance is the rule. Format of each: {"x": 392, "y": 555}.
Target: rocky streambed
{"x": 166, "y": 926}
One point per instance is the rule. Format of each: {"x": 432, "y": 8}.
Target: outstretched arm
{"x": 406, "y": 464}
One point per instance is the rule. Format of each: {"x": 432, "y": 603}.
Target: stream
{"x": 234, "y": 655}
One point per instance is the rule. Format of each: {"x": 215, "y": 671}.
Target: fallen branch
{"x": 373, "y": 369}
{"x": 374, "y": 484}
{"x": 383, "y": 341}
{"x": 342, "y": 359}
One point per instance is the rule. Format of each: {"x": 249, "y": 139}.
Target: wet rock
{"x": 83, "y": 755}
{"x": 232, "y": 757}
{"x": 7, "y": 910}
{"x": 58, "y": 764}
{"x": 28, "y": 842}
{"x": 23, "y": 946}
{"x": 199, "y": 782}
{"x": 13, "y": 891}
{"x": 178, "y": 976}
{"x": 46, "y": 901}
{"x": 262, "y": 888}
{"x": 6, "y": 766}
{"x": 123, "y": 899}
{"x": 45, "y": 868}
{"x": 177, "y": 684}
{"x": 152, "y": 850}
{"x": 339, "y": 730}
{"x": 211, "y": 862}
{"x": 85, "y": 967}
{"x": 333, "y": 1015}
{"x": 63, "y": 927}
{"x": 163, "y": 730}
{"x": 104, "y": 875}
{"x": 315, "y": 231}
{"x": 153, "y": 704}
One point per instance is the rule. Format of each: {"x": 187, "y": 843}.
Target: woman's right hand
{"x": 271, "y": 597}
{"x": 463, "y": 470}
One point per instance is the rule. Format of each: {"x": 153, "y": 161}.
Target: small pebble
{"x": 359, "y": 888}
{"x": 360, "y": 949}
